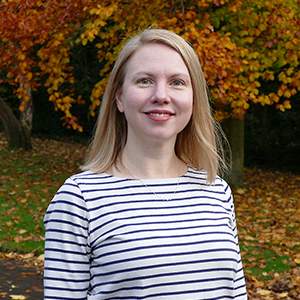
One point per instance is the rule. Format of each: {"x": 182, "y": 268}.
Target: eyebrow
{"x": 146, "y": 73}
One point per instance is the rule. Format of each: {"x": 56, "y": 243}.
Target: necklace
{"x": 158, "y": 196}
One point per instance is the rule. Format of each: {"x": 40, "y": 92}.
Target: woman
{"x": 148, "y": 218}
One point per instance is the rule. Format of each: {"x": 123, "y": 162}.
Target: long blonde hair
{"x": 198, "y": 144}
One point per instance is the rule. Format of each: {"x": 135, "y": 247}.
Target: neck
{"x": 148, "y": 163}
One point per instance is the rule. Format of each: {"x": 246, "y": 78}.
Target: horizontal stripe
{"x": 171, "y": 274}
{"x": 164, "y": 265}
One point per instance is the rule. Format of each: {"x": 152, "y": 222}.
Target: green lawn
{"x": 28, "y": 181}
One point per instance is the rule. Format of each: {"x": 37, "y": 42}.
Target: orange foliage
{"x": 233, "y": 41}
{"x": 33, "y": 24}
{"x": 240, "y": 45}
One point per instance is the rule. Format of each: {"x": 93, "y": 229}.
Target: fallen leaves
{"x": 28, "y": 181}
{"x": 282, "y": 286}
{"x": 264, "y": 292}
{"x": 17, "y": 297}
{"x": 268, "y": 217}
{"x": 267, "y": 210}
{"x": 21, "y": 278}
{"x": 3, "y": 295}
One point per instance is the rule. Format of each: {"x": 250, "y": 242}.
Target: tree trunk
{"x": 26, "y": 116}
{"x": 16, "y": 137}
{"x": 234, "y": 131}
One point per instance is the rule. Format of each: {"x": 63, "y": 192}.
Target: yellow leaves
{"x": 252, "y": 96}
{"x": 235, "y": 5}
{"x": 274, "y": 97}
{"x": 203, "y": 4}
{"x": 253, "y": 76}
{"x": 283, "y": 295}
{"x": 57, "y": 82}
{"x": 291, "y": 14}
{"x": 262, "y": 27}
{"x": 17, "y": 297}
{"x": 9, "y": 75}
{"x": 286, "y": 105}
{"x": 95, "y": 11}
{"x": 52, "y": 98}
{"x": 67, "y": 100}
{"x": 297, "y": 260}
{"x": 29, "y": 76}
{"x": 290, "y": 71}
{"x": 264, "y": 292}
{"x": 72, "y": 122}
{"x": 287, "y": 94}
{"x": 190, "y": 14}
{"x": 84, "y": 41}
{"x": 266, "y": 100}
{"x": 26, "y": 98}
{"x": 254, "y": 55}
{"x": 294, "y": 58}
{"x": 56, "y": 43}
{"x": 240, "y": 191}
{"x": 21, "y": 56}
{"x": 282, "y": 76}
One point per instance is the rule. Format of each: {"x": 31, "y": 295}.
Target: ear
{"x": 119, "y": 100}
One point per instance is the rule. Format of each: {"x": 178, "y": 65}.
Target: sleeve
{"x": 239, "y": 279}
{"x": 67, "y": 254}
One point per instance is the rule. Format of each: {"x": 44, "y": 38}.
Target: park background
{"x": 55, "y": 58}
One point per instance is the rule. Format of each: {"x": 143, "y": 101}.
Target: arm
{"x": 67, "y": 274}
{"x": 239, "y": 280}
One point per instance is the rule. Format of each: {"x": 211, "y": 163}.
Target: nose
{"x": 160, "y": 93}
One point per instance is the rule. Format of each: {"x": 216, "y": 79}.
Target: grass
{"x": 268, "y": 219}
{"x": 263, "y": 264}
{"x": 28, "y": 181}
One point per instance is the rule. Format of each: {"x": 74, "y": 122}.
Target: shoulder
{"x": 219, "y": 186}
{"x": 200, "y": 176}
{"x": 86, "y": 176}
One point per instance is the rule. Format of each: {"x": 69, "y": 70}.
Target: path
{"x": 19, "y": 281}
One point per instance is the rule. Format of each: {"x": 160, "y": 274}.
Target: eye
{"x": 144, "y": 81}
{"x": 178, "y": 82}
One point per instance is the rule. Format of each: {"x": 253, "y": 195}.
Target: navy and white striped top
{"x": 112, "y": 238}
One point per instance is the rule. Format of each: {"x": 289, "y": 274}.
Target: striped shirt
{"x": 112, "y": 238}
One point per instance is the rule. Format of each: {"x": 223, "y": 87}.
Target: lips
{"x": 160, "y": 114}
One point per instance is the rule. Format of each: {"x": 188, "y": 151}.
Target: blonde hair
{"x": 198, "y": 144}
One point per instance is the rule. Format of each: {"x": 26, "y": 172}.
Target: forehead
{"x": 157, "y": 56}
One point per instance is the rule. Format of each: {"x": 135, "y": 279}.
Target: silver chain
{"x": 159, "y": 196}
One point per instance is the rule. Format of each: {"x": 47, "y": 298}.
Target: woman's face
{"x": 157, "y": 95}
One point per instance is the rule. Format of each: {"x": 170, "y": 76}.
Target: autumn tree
{"x": 242, "y": 45}
{"x": 269, "y": 32}
{"x": 34, "y": 41}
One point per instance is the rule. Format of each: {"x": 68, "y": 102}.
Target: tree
{"x": 16, "y": 137}
{"x": 242, "y": 45}
{"x": 269, "y": 32}
{"x": 34, "y": 41}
